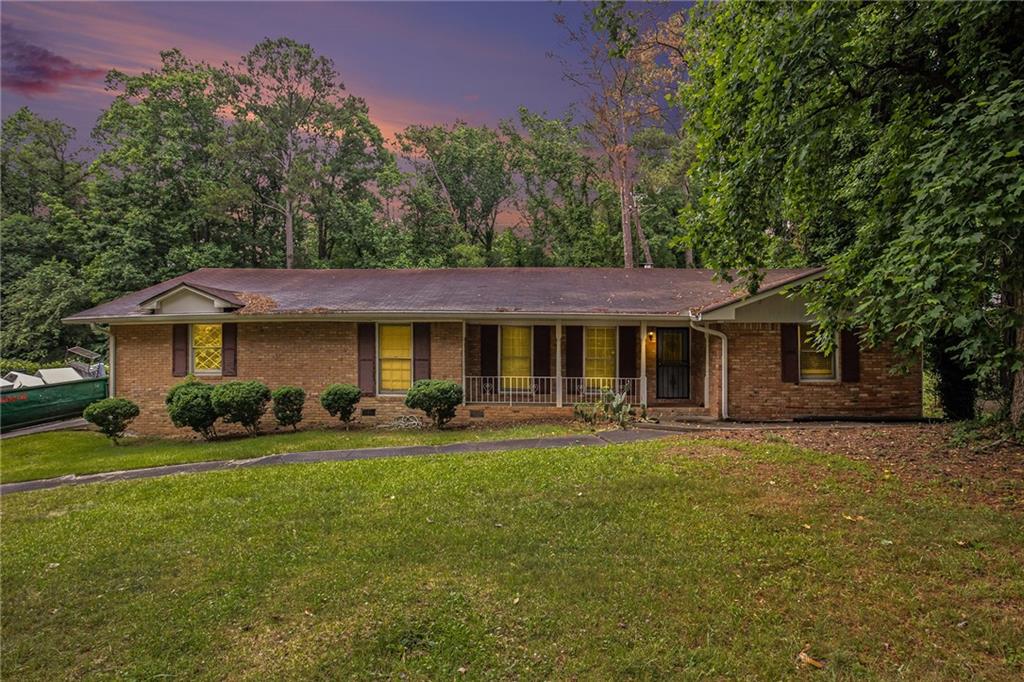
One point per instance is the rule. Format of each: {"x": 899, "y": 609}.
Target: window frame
{"x": 501, "y": 377}
{"x": 380, "y": 358}
{"x": 615, "y": 358}
{"x": 834, "y": 356}
{"x": 192, "y": 351}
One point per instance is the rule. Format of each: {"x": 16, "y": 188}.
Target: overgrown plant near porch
{"x": 613, "y": 408}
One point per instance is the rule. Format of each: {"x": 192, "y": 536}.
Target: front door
{"x": 673, "y": 363}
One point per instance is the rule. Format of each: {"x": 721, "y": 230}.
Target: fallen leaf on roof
{"x": 256, "y": 304}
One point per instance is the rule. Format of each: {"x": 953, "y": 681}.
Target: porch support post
{"x": 463, "y": 362}
{"x": 643, "y": 363}
{"x": 558, "y": 364}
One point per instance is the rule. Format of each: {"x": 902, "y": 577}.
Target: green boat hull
{"x": 41, "y": 404}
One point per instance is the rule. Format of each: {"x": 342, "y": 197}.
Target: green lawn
{"x": 663, "y": 559}
{"x": 46, "y": 455}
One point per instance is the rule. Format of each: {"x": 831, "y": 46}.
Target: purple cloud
{"x": 30, "y": 69}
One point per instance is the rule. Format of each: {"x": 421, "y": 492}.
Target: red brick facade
{"x": 313, "y": 355}
{"x": 757, "y": 392}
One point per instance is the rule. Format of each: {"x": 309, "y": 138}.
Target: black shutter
{"x": 542, "y": 351}
{"x": 790, "y": 354}
{"x": 179, "y": 350}
{"x": 229, "y": 349}
{"x": 849, "y": 356}
{"x": 367, "y": 353}
{"x": 574, "y": 351}
{"x": 628, "y": 366}
{"x": 420, "y": 351}
{"x": 489, "y": 350}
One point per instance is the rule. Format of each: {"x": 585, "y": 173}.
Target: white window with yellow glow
{"x": 207, "y": 354}
{"x": 814, "y": 365}
{"x": 599, "y": 354}
{"x": 395, "y": 357}
{"x": 516, "y": 361}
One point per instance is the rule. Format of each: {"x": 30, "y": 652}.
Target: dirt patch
{"x": 988, "y": 472}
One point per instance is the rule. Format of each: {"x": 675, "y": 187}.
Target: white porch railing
{"x": 591, "y": 389}
{"x": 512, "y": 390}
{"x": 544, "y": 390}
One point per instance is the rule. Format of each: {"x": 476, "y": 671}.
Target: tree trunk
{"x": 627, "y": 236}
{"x": 644, "y": 245}
{"x": 1017, "y": 399}
{"x": 289, "y": 235}
{"x": 690, "y": 263}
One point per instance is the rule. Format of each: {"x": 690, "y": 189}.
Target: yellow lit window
{"x": 599, "y": 356}
{"x": 813, "y": 363}
{"x": 395, "y": 357}
{"x": 206, "y": 348}
{"x": 515, "y": 357}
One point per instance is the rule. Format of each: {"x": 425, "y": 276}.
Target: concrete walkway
{"x": 602, "y": 438}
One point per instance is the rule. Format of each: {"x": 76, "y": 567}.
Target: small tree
{"x": 288, "y": 402}
{"x": 437, "y": 398}
{"x": 242, "y": 402}
{"x": 189, "y": 405}
{"x": 340, "y": 401}
{"x": 112, "y": 416}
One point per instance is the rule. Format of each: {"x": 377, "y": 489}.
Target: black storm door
{"x": 673, "y": 363}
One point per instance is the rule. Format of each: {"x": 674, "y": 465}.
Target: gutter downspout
{"x": 105, "y": 330}
{"x": 725, "y": 363}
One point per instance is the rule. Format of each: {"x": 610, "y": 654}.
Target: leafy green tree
{"x": 463, "y": 173}
{"x": 33, "y": 308}
{"x": 36, "y": 159}
{"x": 881, "y": 139}
{"x": 307, "y": 147}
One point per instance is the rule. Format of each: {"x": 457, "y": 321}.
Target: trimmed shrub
{"x": 340, "y": 401}
{"x": 189, "y": 404}
{"x": 288, "y": 402}
{"x": 241, "y": 402}
{"x": 112, "y": 416}
{"x": 437, "y": 398}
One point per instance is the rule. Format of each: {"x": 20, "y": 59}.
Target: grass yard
{"x": 670, "y": 559}
{"x": 46, "y": 455}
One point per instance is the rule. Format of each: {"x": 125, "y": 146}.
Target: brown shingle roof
{"x": 464, "y": 291}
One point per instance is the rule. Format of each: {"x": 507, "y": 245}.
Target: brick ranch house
{"x": 523, "y": 342}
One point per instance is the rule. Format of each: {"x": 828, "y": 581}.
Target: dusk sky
{"x": 412, "y": 62}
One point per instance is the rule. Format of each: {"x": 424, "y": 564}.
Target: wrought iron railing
{"x": 544, "y": 390}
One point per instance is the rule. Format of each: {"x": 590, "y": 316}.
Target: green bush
{"x": 112, "y": 416}
{"x": 26, "y": 366}
{"x": 340, "y": 401}
{"x": 189, "y": 404}
{"x": 241, "y": 402}
{"x": 435, "y": 397}
{"x": 288, "y": 402}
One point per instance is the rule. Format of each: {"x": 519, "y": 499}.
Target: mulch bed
{"x": 986, "y": 471}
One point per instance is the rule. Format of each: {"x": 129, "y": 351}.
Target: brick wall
{"x": 314, "y": 355}
{"x": 756, "y": 389}
{"x": 311, "y": 355}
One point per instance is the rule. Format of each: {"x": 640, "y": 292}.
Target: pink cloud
{"x": 30, "y": 69}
